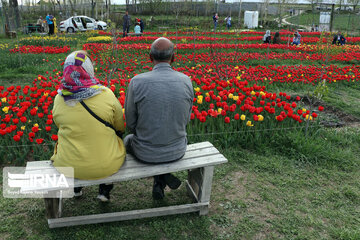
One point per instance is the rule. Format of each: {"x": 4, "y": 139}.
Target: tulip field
{"x": 231, "y": 84}
{"x": 251, "y": 99}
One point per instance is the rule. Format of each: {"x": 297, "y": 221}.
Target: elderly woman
{"x": 267, "y": 37}
{"x": 84, "y": 143}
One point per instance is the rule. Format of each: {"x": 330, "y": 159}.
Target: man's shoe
{"x": 172, "y": 181}
{"x": 158, "y": 189}
{"x": 78, "y": 192}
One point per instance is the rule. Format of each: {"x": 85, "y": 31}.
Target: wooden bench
{"x": 134, "y": 34}
{"x": 199, "y": 160}
{"x": 8, "y": 33}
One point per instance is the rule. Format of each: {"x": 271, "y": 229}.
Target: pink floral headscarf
{"x": 78, "y": 81}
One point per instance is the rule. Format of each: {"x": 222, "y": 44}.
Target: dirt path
{"x": 284, "y": 21}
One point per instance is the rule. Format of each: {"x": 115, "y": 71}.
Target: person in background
{"x": 55, "y": 26}
{"x": 141, "y": 24}
{"x": 267, "y": 37}
{"x": 126, "y": 23}
{"x": 228, "y": 22}
{"x": 316, "y": 28}
{"x": 45, "y": 26}
{"x": 158, "y": 105}
{"x": 339, "y": 39}
{"x": 50, "y": 22}
{"x": 277, "y": 39}
{"x": 215, "y": 19}
{"x": 94, "y": 150}
{"x": 39, "y": 24}
{"x": 137, "y": 29}
{"x": 296, "y": 38}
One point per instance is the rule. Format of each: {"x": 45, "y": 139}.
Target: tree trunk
{"x": 93, "y": 5}
{"x": 59, "y": 3}
{"x": 71, "y": 7}
{"x": 5, "y": 11}
{"x": 280, "y": 18}
{"x": 127, "y": 4}
{"x": 15, "y": 10}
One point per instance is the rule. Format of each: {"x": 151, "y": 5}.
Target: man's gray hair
{"x": 161, "y": 54}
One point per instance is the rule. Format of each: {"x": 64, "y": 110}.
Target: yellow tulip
{"x": 3, "y": 99}
{"x": 261, "y": 118}
{"x": 249, "y": 124}
{"x": 243, "y": 117}
{"x": 5, "y": 109}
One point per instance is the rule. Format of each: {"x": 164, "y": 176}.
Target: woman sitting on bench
{"x": 84, "y": 142}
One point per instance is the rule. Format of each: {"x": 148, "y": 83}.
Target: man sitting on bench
{"x": 158, "y": 105}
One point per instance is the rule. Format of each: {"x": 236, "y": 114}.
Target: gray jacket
{"x": 157, "y": 109}
{"x": 126, "y": 20}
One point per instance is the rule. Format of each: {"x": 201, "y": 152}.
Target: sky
{"x": 297, "y": 1}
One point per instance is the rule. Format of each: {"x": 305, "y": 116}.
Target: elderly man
{"x": 126, "y": 23}
{"x": 157, "y": 109}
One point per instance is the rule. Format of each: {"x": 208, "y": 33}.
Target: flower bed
{"x": 40, "y": 49}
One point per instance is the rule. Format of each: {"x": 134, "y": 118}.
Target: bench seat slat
{"x": 130, "y": 162}
{"x": 153, "y": 170}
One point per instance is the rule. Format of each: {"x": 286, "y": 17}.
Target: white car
{"x": 81, "y": 23}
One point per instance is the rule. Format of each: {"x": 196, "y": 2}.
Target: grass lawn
{"x": 257, "y": 195}
{"x": 342, "y": 21}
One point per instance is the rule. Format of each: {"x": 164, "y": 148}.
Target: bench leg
{"x": 199, "y": 184}
{"x": 53, "y": 207}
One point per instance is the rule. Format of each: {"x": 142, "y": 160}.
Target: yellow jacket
{"x": 84, "y": 143}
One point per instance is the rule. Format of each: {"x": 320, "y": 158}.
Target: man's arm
{"x": 130, "y": 109}
{"x": 118, "y": 116}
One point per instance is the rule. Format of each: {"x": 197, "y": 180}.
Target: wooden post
{"x": 206, "y": 188}
{"x": 332, "y": 17}
{"x": 200, "y": 181}
{"x": 52, "y": 206}
{"x": 240, "y": 5}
